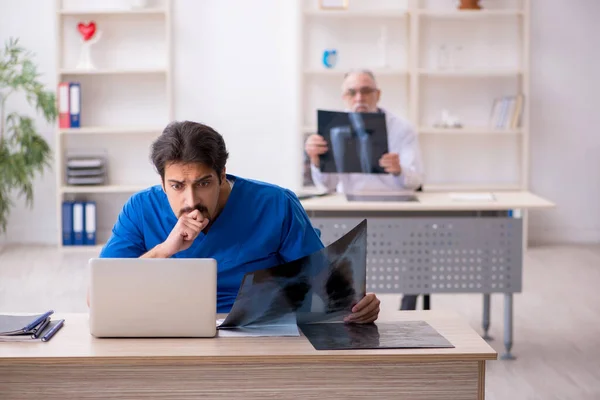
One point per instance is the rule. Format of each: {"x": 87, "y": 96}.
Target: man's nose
{"x": 190, "y": 197}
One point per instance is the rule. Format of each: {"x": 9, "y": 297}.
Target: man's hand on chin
{"x": 182, "y": 236}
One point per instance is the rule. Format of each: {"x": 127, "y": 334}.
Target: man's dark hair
{"x": 189, "y": 142}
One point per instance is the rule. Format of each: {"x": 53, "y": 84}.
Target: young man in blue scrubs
{"x": 202, "y": 212}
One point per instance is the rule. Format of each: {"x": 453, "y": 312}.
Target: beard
{"x": 203, "y": 210}
{"x": 360, "y": 107}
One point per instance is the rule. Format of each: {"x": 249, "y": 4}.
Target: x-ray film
{"x": 323, "y": 286}
{"x": 356, "y": 141}
{"x": 396, "y": 335}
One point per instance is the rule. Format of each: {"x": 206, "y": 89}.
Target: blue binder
{"x": 75, "y": 104}
{"x": 90, "y": 223}
{"x": 78, "y": 223}
{"x": 67, "y": 223}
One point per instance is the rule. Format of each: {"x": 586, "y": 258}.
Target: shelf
{"x": 103, "y": 189}
{"x": 468, "y": 131}
{"x": 115, "y": 71}
{"x": 487, "y": 187}
{"x": 356, "y": 14}
{"x": 139, "y": 11}
{"x": 340, "y": 72}
{"x": 428, "y": 130}
{"x": 112, "y": 130}
{"x": 470, "y": 14}
{"x": 82, "y": 249}
{"x": 471, "y": 73}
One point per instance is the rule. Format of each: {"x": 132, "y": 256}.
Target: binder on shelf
{"x": 503, "y": 111}
{"x": 507, "y": 112}
{"x": 90, "y": 223}
{"x": 75, "y": 104}
{"x": 78, "y": 223}
{"x": 495, "y": 115}
{"x": 64, "y": 115}
{"x": 516, "y": 117}
{"x": 67, "y": 223}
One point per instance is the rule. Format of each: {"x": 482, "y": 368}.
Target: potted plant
{"x": 23, "y": 152}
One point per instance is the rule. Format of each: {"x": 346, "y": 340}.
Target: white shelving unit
{"x": 489, "y": 52}
{"x": 471, "y": 73}
{"x": 426, "y": 130}
{"x": 116, "y": 11}
{"x": 102, "y": 189}
{"x": 122, "y": 71}
{"x": 340, "y": 73}
{"x": 356, "y": 14}
{"x": 125, "y": 102}
{"x": 112, "y": 130}
{"x": 466, "y": 14}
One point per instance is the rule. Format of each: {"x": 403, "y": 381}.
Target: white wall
{"x": 235, "y": 69}
{"x": 235, "y": 61}
{"x": 565, "y": 122}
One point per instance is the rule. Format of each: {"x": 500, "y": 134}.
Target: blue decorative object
{"x": 330, "y": 58}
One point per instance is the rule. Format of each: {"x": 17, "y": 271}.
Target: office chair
{"x": 409, "y": 302}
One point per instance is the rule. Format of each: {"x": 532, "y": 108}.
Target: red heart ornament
{"x": 87, "y": 31}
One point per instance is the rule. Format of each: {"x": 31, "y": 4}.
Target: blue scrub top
{"x": 261, "y": 226}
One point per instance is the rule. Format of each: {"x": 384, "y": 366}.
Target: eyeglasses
{"x": 364, "y": 91}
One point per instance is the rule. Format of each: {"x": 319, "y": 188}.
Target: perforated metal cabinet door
{"x": 413, "y": 255}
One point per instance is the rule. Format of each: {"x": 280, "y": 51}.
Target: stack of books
{"x": 507, "y": 112}
{"x": 25, "y": 328}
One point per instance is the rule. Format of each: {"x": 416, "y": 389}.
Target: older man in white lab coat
{"x": 403, "y": 164}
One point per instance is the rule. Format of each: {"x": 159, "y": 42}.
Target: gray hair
{"x": 359, "y": 72}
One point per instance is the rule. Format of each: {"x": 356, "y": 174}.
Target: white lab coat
{"x": 403, "y": 140}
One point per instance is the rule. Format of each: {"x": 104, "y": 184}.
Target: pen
{"x": 38, "y": 331}
{"x": 53, "y": 330}
{"x": 38, "y": 320}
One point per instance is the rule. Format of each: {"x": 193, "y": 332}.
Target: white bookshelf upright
{"x": 126, "y": 101}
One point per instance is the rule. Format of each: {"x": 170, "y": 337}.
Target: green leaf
{"x": 24, "y": 154}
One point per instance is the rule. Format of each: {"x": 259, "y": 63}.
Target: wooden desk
{"x": 438, "y": 244}
{"x": 76, "y": 365}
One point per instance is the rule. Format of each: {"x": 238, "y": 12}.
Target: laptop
{"x": 153, "y": 297}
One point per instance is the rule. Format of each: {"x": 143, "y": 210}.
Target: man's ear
{"x": 224, "y": 174}
{"x": 162, "y": 184}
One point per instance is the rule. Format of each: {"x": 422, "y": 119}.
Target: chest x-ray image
{"x": 356, "y": 141}
{"x": 323, "y": 286}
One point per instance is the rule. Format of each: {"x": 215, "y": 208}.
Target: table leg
{"x": 486, "y": 317}
{"x": 426, "y": 302}
{"x": 508, "y": 326}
